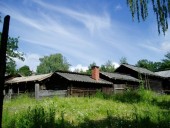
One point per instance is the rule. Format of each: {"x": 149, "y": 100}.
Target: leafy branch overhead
{"x": 160, "y": 7}
{"x": 12, "y": 52}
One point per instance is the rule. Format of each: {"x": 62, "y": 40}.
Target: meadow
{"x": 140, "y": 108}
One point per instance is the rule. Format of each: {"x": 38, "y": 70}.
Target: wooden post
{"x": 37, "y": 87}
{"x": 70, "y": 89}
{"x": 18, "y": 89}
{"x": 4, "y": 92}
{"x": 3, "y": 48}
{"x": 10, "y": 93}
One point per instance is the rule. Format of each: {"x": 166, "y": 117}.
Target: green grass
{"x": 131, "y": 109}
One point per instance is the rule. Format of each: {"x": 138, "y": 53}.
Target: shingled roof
{"x": 28, "y": 78}
{"x": 140, "y": 70}
{"x": 71, "y": 76}
{"x": 165, "y": 74}
{"x": 117, "y": 76}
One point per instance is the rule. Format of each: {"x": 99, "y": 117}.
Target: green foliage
{"x": 25, "y": 71}
{"x": 35, "y": 117}
{"x": 107, "y": 67}
{"x": 52, "y": 63}
{"x": 12, "y": 52}
{"x": 12, "y": 49}
{"x": 131, "y": 109}
{"x": 155, "y": 66}
{"x": 11, "y": 67}
{"x": 160, "y": 7}
{"x": 166, "y": 62}
{"x": 152, "y": 66}
{"x": 89, "y": 71}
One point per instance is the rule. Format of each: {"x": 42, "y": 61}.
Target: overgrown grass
{"x": 131, "y": 109}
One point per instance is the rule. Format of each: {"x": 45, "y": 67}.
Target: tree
{"x": 25, "y": 71}
{"x": 152, "y": 66}
{"x": 107, "y": 67}
{"x": 166, "y": 62}
{"x": 11, "y": 67}
{"x": 12, "y": 52}
{"x": 160, "y": 7}
{"x": 52, "y": 63}
{"x": 78, "y": 70}
{"x": 123, "y": 60}
{"x": 89, "y": 71}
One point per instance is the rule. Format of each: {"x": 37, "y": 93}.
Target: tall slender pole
{"x": 3, "y": 48}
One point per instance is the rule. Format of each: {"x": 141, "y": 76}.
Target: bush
{"x": 35, "y": 117}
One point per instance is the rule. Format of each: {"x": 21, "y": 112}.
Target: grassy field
{"x": 132, "y": 109}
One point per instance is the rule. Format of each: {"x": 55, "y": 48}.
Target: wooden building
{"x": 80, "y": 84}
{"x": 18, "y": 85}
{"x": 74, "y": 84}
{"x": 166, "y": 82}
{"x": 77, "y": 84}
{"x": 150, "y": 79}
{"x": 120, "y": 82}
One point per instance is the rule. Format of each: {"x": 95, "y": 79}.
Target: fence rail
{"x": 49, "y": 93}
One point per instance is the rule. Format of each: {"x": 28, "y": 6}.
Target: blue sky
{"x": 84, "y": 31}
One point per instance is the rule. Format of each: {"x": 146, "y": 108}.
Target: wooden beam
{"x": 37, "y": 89}
{"x": 3, "y": 48}
{"x": 18, "y": 89}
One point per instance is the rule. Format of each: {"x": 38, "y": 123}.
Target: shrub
{"x": 34, "y": 117}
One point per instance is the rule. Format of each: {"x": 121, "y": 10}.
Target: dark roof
{"x": 140, "y": 70}
{"x": 117, "y": 76}
{"x": 164, "y": 73}
{"x": 72, "y": 76}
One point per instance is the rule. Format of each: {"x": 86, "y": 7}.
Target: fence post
{"x": 18, "y": 90}
{"x": 37, "y": 87}
{"x": 10, "y": 93}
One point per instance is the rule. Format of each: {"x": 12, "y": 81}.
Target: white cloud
{"x": 82, "y": 36}
{"x": 116, "y": 64}
{"x": 79, "y": 67}
{"x": 31, "y": 60}
{"x": 151, "y": 47}
{"x": 161, "y": 47}
{"x": 92, "y": 22}
{"x": 165, "y": 46}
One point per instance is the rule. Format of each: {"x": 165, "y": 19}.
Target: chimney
{"x": 95, "y": 73}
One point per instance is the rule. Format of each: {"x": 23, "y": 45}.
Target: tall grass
{"x": 139, "y": 108}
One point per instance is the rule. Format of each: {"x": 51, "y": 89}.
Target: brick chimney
{"x": 95, "y": 73}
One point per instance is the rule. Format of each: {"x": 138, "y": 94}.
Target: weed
{"x": 138, "y": 108}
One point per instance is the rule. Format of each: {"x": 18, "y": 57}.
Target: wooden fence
{"x": 51, "y": 93}
{"x": 39, "y": 94}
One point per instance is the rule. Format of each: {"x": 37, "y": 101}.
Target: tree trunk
{"x": 3, "y": 48}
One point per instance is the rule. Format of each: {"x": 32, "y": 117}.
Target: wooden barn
{"x": 18, "y": 85}
{"x": 150, "y": 79}
{"x": 166, "y": 82}
{"x": 80, "y": 84}
{"x": 120, "y": 82}
{"x": 74, "y": 84}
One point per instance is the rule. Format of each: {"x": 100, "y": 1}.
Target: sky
{"x": 83, "y": 31}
